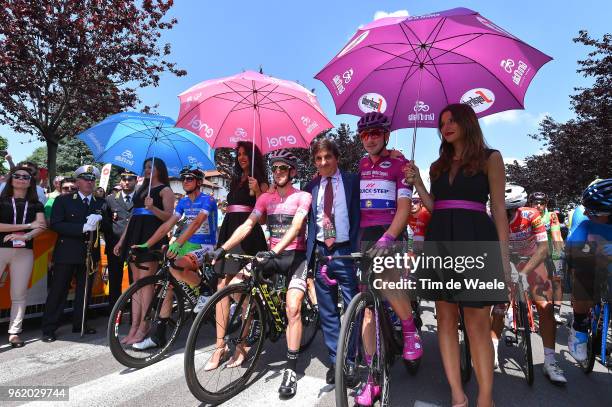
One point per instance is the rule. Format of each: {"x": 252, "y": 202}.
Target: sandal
{"x": 211, "y": 364}
{"x": 462, "y": 404}
{"x": 237, "y": 361}
{"x": 16, "y": 341}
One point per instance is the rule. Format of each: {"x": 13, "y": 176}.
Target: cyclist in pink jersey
{"x": 528, "y": 239}
{"x": 285, "y": 210}
{"x": 385, "y": 206}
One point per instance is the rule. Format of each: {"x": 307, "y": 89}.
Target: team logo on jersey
{"x": 385, "y": 164}
{"x": 368, "y": 204}
{"x": 479, "y": 99}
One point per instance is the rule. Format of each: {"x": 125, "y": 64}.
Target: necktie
{"x": 127, "y": 199}
{"x": 329, "y": 229}
{"x": 86, "y": 201}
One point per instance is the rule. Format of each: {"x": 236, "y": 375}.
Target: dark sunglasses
{"x": 373, "y": 134}
{"x": 22, "y": 176}
{"x": 71, "y": 189}
{"x": 128, "y": 178}
{"x": 282, "y": 168}
{"x": 188, "y": 179}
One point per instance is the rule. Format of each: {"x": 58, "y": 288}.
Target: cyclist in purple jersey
{"x": 286, "y": 210}
{"x": 385, "y": 207}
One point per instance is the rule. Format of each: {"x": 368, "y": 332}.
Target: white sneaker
{"x": 509, "y": 318}
{"x": 201, "y": 303}
{"x": 554, "y": 373}
{"x": 577, "y": 344}
{"x": 496, "y": 357}
{"x": 147, "y": 343}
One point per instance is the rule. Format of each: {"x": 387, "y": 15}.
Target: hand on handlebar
{"x": 265, "y": 256}
{"x": 217, "y": 254}
{"x": 173, "y": 250}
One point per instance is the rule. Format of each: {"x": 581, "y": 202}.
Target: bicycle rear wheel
{"x": 222, "y": 383}
{"x": 594, "y": 338}
{"x": 165, "y": 331}
{"x": 523, "y": 330}
{"x": 350, "y": 350}
{"x": 465, "y": 357}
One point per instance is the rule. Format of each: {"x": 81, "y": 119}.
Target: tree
{"x": 3, "y": 147}
{"x": 65, "y": 65}
{"x": 71, "y": 154}
{"x": 579, "y": 150}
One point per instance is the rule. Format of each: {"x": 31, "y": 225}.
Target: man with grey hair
{"x": 57, "y": 184}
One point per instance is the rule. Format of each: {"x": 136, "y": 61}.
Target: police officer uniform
{"x": 69, "y": 217}
{"x": 118, "y": 210}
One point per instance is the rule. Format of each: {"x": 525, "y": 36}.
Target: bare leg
{"x": 478, "y": 326}
{"x": 448, "y": 340}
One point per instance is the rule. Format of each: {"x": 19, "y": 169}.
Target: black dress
{"x": 471, "y": 232}
{"x": 253, "y": 243}
{"x": 142, "y": 227}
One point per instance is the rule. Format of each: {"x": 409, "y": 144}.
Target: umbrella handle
{"x": 251, "y": 192}
{"x": 416, "y": 116}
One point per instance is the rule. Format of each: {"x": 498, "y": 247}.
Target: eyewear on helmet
{"x": 24, "y": 177}
{"x": 282, "y": 168}
{"x": 372, "y": 133}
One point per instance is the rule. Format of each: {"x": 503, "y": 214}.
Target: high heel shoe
{"x": 462, "y": 404}
{"x": 16, "y": 341}
{"x": 212, "y": 364}
{"x": 238, "y": 360}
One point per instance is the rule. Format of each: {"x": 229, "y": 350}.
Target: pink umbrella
{"x": 411, "y": 67}
{"x": 272, "y": 113}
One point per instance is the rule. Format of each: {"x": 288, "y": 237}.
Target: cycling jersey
{"x": 418, "y": 223}
{"x": 576, "y": 217}
{"x": 589, "y": 231}
{"x": 526, "y": 228}
{"x": 207, "y": 232}
{"x": 381, "y": 185}
{"x": 279, "y": 213}
{"x": 551, "y": 223}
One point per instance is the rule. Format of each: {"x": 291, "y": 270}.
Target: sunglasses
{"x": 187, "y": 179}
{"x": 416, "y": 201}
{"x": 24, "y": 177}
{"x": 69, "y": 189}
{"x": 372, "y": 134}
{"x": 282, "y": 168}
{"x": 128, "y": 178}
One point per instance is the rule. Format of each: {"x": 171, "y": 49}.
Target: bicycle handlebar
{"x": 256, "y": 268}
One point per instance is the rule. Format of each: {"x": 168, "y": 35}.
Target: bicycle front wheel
{"x": 232, "y": 323}
{"x": 310, "y": 323}
{"x": 148, "y": 299}
{"x": 464, "y": 348}
{"x": 524, "y": 333}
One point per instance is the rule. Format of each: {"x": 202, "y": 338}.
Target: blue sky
{"x": 294, "y": 40}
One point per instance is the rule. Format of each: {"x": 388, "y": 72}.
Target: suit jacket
{"x": 351, "y": 192}
{"x": 68, "y": 216}
{"x": 117, "y": 216}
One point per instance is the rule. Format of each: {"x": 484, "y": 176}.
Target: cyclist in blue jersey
{"x": 189, "y": 249}
{"x": 589, "y": 256}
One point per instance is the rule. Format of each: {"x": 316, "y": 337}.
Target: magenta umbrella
{"x": 272, "y": 113}
{"x": 410, "y": 68}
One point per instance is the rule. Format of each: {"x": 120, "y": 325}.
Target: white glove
{"x": 89, "y": 228}
{"x": 93, "y": 219}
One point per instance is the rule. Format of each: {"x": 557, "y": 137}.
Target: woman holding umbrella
{"x": 461, "y": 180}
{"x": 248, "y": 182}
{"x": 153, "y": 205}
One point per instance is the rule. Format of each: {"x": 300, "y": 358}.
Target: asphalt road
{"x": 96, "y": 379}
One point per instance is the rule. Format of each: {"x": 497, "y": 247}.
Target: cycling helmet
{"x": 285, "y": 156}
{"x": 515, "y": 196}
{"x": 598, "y": 196}
{"x": 538, "y": 197}
{"x": 372, "y": 120}
{"x": 192, "y": 170}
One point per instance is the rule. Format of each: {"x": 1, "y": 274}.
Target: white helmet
{"x": 516, "y": 196}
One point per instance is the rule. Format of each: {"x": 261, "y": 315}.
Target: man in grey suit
{"x": 118, "y": 210}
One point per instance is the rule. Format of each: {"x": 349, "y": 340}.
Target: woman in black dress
{"x": 246, "y": 186}
{"x": 150, "y": 210}
{"x": 462, "y": 179}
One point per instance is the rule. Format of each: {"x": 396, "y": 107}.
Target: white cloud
{"x": 398, "y": 13}
{"x": 514, "y": 117}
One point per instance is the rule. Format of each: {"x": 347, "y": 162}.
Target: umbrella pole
{"x": 253, "y": 150}
{"x": 152, "y": 163}
{"x": 416, "y": 115}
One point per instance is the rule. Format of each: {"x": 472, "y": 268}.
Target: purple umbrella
{"x": 410, "y": 68}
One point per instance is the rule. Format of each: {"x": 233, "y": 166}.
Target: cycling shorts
{"x": 195, "y": 254}
{"x": 291, "y": 263}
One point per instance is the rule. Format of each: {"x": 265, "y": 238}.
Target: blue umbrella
{"x": 127, "y": 139}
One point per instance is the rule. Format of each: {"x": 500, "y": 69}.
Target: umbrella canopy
{"x": 127, "y": 139}
{"x": 410, "y": 68}
{"x": 273, "y": 113}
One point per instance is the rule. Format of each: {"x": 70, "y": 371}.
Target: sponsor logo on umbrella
{"x": 354, "y": 43}
{"x": 479, "y": 99}
{"x": 125, "y": 157}
{"x": 309, "y": 123}
{"x": 421, "y": 108}
{"x": 372, "y": 102}
{"x": 518, "y": 73}
{"x": 339, "y": 82}
{"x": 239, "y": 135}
{"x": 280, "y": 141}
{"x": 200, "y": 127}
